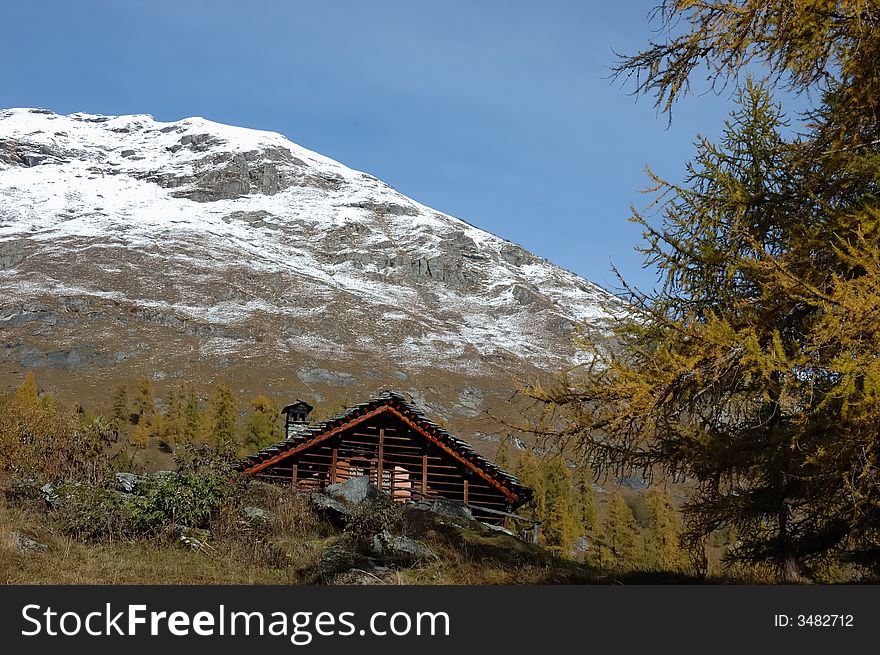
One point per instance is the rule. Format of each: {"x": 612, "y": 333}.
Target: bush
{"x": 44, "y": 441}
{"x": 161, "y": 502}
{"x": 90, "y": 513}
{"x": 187, "y": 498}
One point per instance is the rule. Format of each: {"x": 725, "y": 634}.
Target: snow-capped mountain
{"x": 136, "y": 246}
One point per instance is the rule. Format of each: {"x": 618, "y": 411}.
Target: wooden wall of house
{"x": 399, "y": 462}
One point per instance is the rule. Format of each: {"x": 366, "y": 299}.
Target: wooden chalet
{"x": 390, "y": 440}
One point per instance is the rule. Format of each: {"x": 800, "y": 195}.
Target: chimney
{"x": 296, "y": 418}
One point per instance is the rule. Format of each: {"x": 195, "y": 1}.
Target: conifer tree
{"x": 704, "y": 380}
{"x": 662, "y": 548}
{"x": 174, "y": 421}
{"x": 145, "y": 401}
{"x": 754, "y": 368}
{"x": 528, "y": 470}
{"x": 619, "y": 542}
{"x": 120, "y": 410}
{"x": 559, "y": 516}
{"x": 140, "y": 436}
{"x": 223, "y": 419}
{"x": 27, "y": 394}
{"x": 262, "y": 427}
{"x": 830, "y": 49}
{"x": 192, "y": 415}
{"x": 584, "y": 499}
{"x": 159, "y": 429}
{"x": 503, "y": 459}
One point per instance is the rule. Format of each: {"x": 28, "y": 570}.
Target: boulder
{"x": 332, "y": 509}
{"x": 25, "y": 545}
{"x": 354, "y": 491}
{"x": 337, "y": 560}
{"x": 445, "y": 508}
{"x": 127, "y": 482}
{"x": 256, "y": 514}
{"x": 406, "y": 547}
{"x": 385, "y": 544}
{"x": 498, "y": 528}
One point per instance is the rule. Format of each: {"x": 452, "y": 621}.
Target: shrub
{"x": 186, "y": 498}
{"x": 160, "y": 503}
{"x": 90, "y": 513}
{"x": 46, "y": 441}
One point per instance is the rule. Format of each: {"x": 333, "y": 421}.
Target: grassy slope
{"x": 287, "y": 552}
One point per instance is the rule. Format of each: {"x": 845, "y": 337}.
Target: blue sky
{"x": 500, "y": 113}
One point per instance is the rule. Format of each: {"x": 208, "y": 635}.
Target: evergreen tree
{"x": 559, "y": 517}
{"x": 174, "y": 420}
{"x": 120, "y": 411}
{"x": 192, "y": 415}
{"x": 262, "y": 427}
{"x": 825, "y": 258}
{"x": 528, "y": 470}
{"x": 27, "y": 394}
{"x": 584, "y": 499}
{"x": 830, "y": 49}
{"x": 159, "y": 428}
{"x": 754, "y": 368}
{"x": 619, "y": 543}
{"x": 662, "y": 548}
{"x": 140, "y": 437}
{"x": 223, "y": 419}
{"x": 707, "y": 379}
{"x": 145, "y": 401}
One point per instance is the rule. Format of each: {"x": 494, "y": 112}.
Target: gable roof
{"x": 397, "y": 404}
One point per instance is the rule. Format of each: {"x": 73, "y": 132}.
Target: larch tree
{"x": 28, "y": 394}
{"x": 262, "y": 427}
{"x": 119, "y": 407}
{"x": 503, "y": 458}
{"x": 174, "y": 420}
{"x": 145, "y": 403}
{"x": 618, "y": 542}
{"x": 662, "y": 537}
{"x": 528, "y": 470}
{"x": 584, "y": 499}
{"x": 704, "y": 378}
{"x": 192, "y": 414}
{"x": 559, "y": 516}
{"x": 140, "y": 436}
{"x": 753, "y": 368}
{"x": 223, "y": 420}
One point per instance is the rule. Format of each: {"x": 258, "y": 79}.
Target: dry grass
{"x": 294, "y": 539}
{"x": 286, "y": 550}
{"x": 148, "y": 561}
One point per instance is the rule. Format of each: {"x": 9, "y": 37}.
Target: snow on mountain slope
{"x": 125, "y": 241}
